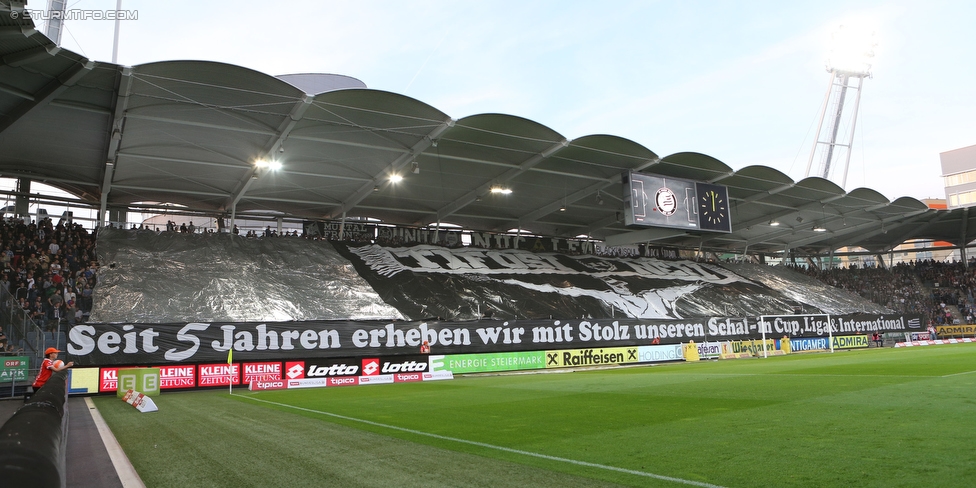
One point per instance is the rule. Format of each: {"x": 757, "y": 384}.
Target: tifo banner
{"x": 330, "y": 230}
{"x": 14, "y": 368}
{"x": 423, "y": 280}
{"x": 199, "y": 342}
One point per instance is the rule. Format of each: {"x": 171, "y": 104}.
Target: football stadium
{"x": 261, "y": 280}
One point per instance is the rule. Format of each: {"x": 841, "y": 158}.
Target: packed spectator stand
{"x": 942, "y": 292}
{"x": 48, "y": 276}
{"x": 50, "y": 271}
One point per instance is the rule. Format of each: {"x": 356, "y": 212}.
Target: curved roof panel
{"x": 193, "y": 132}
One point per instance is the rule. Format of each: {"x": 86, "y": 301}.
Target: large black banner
{"x": 133, "y": 344}
{"x": 457, "y": 284}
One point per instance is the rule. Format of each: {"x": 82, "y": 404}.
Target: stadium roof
{"x": 190, "y": 133}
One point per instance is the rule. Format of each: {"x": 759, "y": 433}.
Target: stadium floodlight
{"x": 849, "y": 63}
{"x": 503, "y": 191}
{"x": 819, "y": 228}
{"x": 851, "y": 50}
{"x": 395, "y": 178}
{"x": 265, "y": 164}
{"x": 774, "y": 223}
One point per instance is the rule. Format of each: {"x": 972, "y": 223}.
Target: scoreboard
{"x": 659, "y": 201}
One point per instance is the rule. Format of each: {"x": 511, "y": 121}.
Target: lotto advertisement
{"x": 328, "y": 372}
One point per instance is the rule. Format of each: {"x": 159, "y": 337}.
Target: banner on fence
{"x": 956, "y": 330}
{"x": 14, "y": 368}
{"x": 199, "y": 342}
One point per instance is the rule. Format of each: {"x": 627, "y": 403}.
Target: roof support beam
{"x": 122, "y": 154}
{"x": 395, "y": 166}
{"x": 55, "y": 87}
{"x": 909, "y": 218}
{"x": 17, "y": 59}
{"x": 286, "y": 126}
{"x": 17, "y": 92}
{"x": 574, "y": 197}
{"x": 916, "y": 230}
{"x": 601, "y": 223}
{"x": 643, "y": 235}
{"x": 115, "y": 128}
{"x": 168, "y": 190}
{"x": 471, "y": 196}
{"x": 15, "y": 31}
{"x": 85, "y": 107}
{"x": 964, "y": 238}
{"x": 202, "y": 125}
{"x": 787, "y": 212}
{"x": 277, "y": 138}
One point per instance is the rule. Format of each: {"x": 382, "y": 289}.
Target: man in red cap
{"x": 50, "y": 365}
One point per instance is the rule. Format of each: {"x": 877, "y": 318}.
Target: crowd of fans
{"x": 48, "y": 274}
{"x": 929, "y": 288}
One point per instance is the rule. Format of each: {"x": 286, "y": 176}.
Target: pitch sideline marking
{"x": 807, "y": 375}
{"x": 958, "y": 374}
{"x": 492, "y": 446}
{"x": 126, "y": 472}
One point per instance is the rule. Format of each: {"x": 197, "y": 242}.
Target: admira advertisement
{"x": 202, "y": 342}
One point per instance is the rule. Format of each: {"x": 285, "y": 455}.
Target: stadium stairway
{"x": 88, "y": 462}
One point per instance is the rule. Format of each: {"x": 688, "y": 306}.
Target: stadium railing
{"x": 21, "y": 330}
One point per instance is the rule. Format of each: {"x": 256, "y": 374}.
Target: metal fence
{"x": 27, "y": 338}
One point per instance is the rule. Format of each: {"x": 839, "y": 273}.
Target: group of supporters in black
{"x": 47, "y": 272}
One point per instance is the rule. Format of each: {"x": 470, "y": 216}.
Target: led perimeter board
{"x": 657, "y": 201}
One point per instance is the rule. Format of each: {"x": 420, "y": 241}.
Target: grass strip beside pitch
{"x": 209, "y": 439}
{"x": 870, "y": 418}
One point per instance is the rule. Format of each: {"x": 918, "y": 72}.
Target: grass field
{"x": 878, "y": 417}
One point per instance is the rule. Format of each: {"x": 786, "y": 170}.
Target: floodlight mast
{"x": 55, "y": 21}
{"x": 847, "y": 72}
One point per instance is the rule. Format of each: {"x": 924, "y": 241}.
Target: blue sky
{"x": 740, "y": 81}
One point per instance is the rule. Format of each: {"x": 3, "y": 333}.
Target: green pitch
{"x": 878, "y": 417}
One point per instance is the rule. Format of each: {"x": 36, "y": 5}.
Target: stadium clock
{"x": 713, "y": 207}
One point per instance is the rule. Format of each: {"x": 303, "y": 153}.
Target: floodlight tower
{"x": 848, "y": 64}
{"x": 55, "y": 20}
